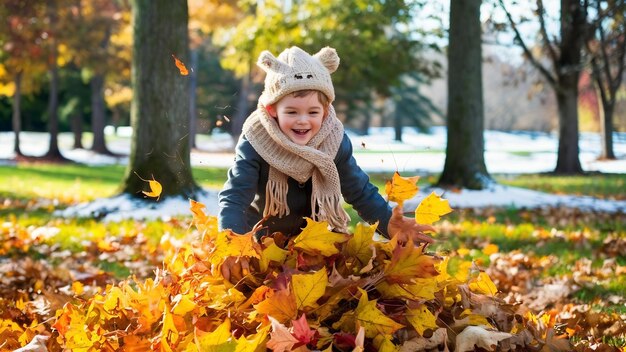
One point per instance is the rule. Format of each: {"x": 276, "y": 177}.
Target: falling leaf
{"x": 308, "y": 288}
{"x": 315, "y": 238}
{"x": 181, "y": 66}
{"x": 399, "y": 188}
{"x": 155, "y": 187}
{"x": 431, "y": 209}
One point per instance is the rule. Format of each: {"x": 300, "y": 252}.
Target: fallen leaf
{"x": 477, "y": 336}
{"x": 308, "y": 288}
{"x": 315, "y": 238}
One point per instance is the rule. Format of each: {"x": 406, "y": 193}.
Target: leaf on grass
{"x": 399, "y": 188}
{"x": 181, "y": 66}
{"x": 315, "y": 238}
{"x": 431, "y": 209}
{"x": 477, "y": 336}
{"x": 483, "y": 284}
{"x": 372, "y": 319}
{"x": 280, "y": 338}
{"x": 308, "y": 288}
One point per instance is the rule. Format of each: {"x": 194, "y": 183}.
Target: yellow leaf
{"x": 372, "y": 319}
{"x": 359, "y": 245}
{"x": 271, "y": 253}
{"x": 419, "y": 289}
{"x": 218, "y": 340}
{"x": 431, "y": 209}
{"x": 399, "y": 188}
{"x": 483, "y": 284}
{"x": 78, "y": 287}
{"x": 421, "y": 319}
{"x": 308, "y": 288}
{"x": 155, "y": 187}
{"x": 315, "y": 238}
{"x": 182, "y": 304}
{"x": 384, "y": 344}
{"x": 253, "y": 343}
{"x": 169, "y": 332}
{"x": 491, "y": 249}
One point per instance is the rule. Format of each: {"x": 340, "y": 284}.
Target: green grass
{"x": 607, "y": 186}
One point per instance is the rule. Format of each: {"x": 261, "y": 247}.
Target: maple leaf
{"x": 281, "y": 305}
{"x": 315, "y": 238}
{"x": 253, "y": 343}
{"x": 399, "y": 188}
{"x": 431, "y": 209}
{"x": 308, "y": 288}
{"x": 359, "y": 246}
{"x": 409, "y": 262}
{"x": 372, "y": 319}
{"x": 280, "y": 337}
{"x": 232, "y": 245}
{"x": 302, "y": 331}
{"x": 419, "y": 289}
{"x": 155, "y": 187}
{"x": 181, "y": 66}
{"x": 421, "y": 318}
{"x": 271, "y": 253}
{"x": 183, "y": 304}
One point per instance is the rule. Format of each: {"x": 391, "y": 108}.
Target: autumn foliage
{"x": 320, "y": 290}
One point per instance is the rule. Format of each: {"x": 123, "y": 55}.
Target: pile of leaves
{"x": 319, "y": 290}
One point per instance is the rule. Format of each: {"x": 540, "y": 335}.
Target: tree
{"x": 607, "y": 48}
{"x": 160, "y": 105}
{"x": 21, "y": 57}
{"x": 565, "y": 54}
{"x": 465, "y": 163}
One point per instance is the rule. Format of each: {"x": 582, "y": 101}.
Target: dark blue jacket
{"x": 242, "y": 199}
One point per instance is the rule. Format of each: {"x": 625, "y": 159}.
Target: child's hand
{"x": 407, "y": 229}
{"x": 234, "y": 269}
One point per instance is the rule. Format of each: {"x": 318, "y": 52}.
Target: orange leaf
{"x": 281, "y": 306}
{"x": 409, "y": 262}
{"x": 400, "y": 188}
{"x": 181, "y": 66}
{"x": 431, "y": 209}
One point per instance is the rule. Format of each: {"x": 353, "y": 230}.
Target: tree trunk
{"x": 465, "y": 164}
{"x": 397, "y": 126}
{"x": 77, "y": 130}
{"x": 159, "y": 108}
{"x": 606, "y": 131}
{"x": 193, "y": 109}
{"x": 241, "y": 112}
{"x": 16, "y": 117}
{"x": 98, "y": 116}
{"x": 53, "y": 106}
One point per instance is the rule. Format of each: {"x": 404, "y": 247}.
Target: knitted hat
{"x": 295, "y": 70}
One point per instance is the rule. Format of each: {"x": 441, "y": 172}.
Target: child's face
{"x": 300, "y": 118}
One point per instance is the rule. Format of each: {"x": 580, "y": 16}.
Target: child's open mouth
{"x": 300, "y": 132}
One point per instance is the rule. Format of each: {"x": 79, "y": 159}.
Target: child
{"x": 294, "y": 160}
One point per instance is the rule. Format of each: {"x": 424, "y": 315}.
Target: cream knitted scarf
{"x": 288, "y": 159}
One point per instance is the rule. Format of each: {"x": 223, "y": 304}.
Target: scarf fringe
{"x": 328, "y": 208}
{"x": 276, "y": 198}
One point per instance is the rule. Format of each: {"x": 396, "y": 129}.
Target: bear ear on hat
{"x": 329, "y": 58}
{"x": 268, "y": 62}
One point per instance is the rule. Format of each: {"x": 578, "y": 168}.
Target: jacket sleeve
{"x": 358, "y": 191}
{"x": 240, "y": 189}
